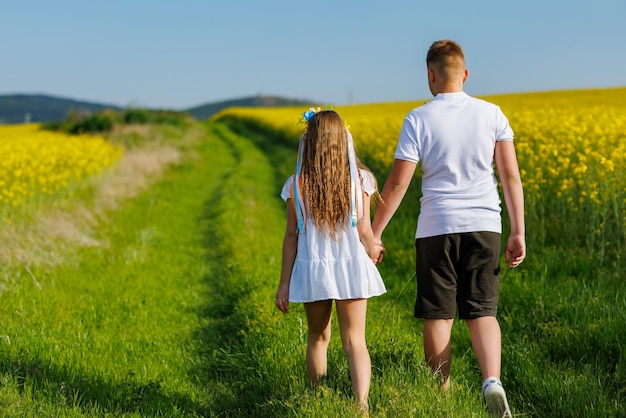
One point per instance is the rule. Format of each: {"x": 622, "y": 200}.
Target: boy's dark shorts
{"x": 458, "y": 271}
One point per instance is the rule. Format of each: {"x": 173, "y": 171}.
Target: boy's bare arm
{"x": 508, "y": 171}
{"x": 393, "y": 192}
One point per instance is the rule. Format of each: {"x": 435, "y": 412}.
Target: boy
{"x": 457, "y": 138}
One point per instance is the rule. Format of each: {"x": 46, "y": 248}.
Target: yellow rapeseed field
{"x": 36, "y": 161}
{"x": 571, "y": 148}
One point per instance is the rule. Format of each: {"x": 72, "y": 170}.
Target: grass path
{"x": 127, "y": 329}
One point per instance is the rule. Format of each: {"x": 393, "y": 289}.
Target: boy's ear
{"x": 431, "y": 75}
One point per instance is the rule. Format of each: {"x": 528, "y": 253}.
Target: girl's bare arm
{"x": 366, "y": 235}
{"x": 290, "y": 249}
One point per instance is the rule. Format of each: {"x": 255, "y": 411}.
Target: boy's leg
{"x": 435, "y": 269}
{"x": 437, "y": 347}
{"x": 352, "y": 317}
{"x": 478, "y": 295}
{"x": 478, "y": 304}
{"x": 318, "y": 320}
{"x": 486, "y": 342}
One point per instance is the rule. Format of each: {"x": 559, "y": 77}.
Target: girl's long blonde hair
{"x": 325, "y": 172}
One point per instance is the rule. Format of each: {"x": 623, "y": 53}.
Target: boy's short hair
{"x": 445, "y": 56}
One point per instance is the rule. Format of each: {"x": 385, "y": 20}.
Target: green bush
{"x": 136, "y": 116}
{"x": 104, "y": 121}
{"x": 169, "y": 117}
{"x": 100, "y": 122}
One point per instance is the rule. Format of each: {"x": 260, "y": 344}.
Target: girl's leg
{"x": 318, "y": 320}
{"x": 352, "y": 317}
{"x": 437, "y": 348}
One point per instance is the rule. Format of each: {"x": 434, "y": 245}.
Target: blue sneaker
{"x": 495, "y": 398}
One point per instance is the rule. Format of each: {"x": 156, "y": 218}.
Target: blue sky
{"x": 181, "y": 54}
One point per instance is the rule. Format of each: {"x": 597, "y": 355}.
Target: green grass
{"x": 173, "y": 314}
{"x": 116, "y": 332}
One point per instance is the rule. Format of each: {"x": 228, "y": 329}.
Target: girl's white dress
{"x": 326, "y": 268}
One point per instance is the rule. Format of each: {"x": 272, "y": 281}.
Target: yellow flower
{"x": 35, "y": 161}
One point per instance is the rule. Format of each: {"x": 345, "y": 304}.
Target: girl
{"x": 329, "y": 252}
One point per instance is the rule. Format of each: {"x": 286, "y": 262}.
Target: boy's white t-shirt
{"x": 454, "y": 137}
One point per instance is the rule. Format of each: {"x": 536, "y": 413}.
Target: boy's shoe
{"x": 495, "y": 398}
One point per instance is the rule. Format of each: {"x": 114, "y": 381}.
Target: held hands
{"x": 378, "y": 252}
{"x": 383, "y": 250}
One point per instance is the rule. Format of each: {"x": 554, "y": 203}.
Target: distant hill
{"x": 20, "y": 108}
{"x": 207, "y": 110}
